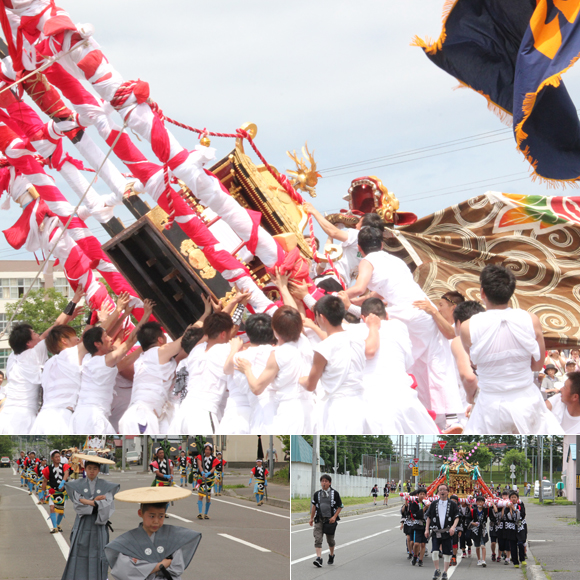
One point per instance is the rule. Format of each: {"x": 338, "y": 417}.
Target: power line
{"x": 476, "y": 137}
{"x": 422, "y": 157}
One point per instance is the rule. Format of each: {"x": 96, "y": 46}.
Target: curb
{"x": 346, "y": 514}
{"x": 273, "y": 501}
{"x": 535, "y": 571}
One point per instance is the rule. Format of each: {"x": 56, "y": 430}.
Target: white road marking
{"x": 64, "y": 548}
{"x": 341, "y": 546}
{"x": 180, "y": 518}
{"x": 251, "y": 508}
{"x": 347, "y": 520}
{"x": 244, "y": 542}
{"x": 18, "y": 488}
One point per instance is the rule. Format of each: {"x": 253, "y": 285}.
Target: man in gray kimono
{"x": 92, "y": 499}
{"x": 154, "y": 550}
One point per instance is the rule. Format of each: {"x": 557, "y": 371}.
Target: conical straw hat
{"x": 160, "y": 494}
{"x": 93, "y": 458}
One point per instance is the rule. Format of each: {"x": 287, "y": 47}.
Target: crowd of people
{"x": 362, "y": 351}
{"x": 456, "y": 525}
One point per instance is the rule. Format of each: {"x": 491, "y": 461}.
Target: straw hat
{"x": 93, "y": 459}
{"x": 161, "y": 494}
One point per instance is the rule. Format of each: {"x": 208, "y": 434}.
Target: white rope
{"x": 50, "y": 61}
{"x": 63, "y": 230}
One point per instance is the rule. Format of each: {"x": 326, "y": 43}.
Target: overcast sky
{"x": 338, "y": 74}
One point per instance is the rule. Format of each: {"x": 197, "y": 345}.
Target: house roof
{"x": 301, "y": 450}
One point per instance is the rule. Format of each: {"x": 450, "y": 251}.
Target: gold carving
{"x": 197, "y": 259}
{"x": 305, "y": 178}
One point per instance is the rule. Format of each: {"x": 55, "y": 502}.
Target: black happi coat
{"x": 514, "y": 524}
{"x": 450, "y": 515}
{"x": 335, "y": 503}
{"x": 474, "y": 516}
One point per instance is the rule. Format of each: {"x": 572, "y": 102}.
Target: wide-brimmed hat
{"x": 93, "y": 459}
{"x": 160, "y": 494}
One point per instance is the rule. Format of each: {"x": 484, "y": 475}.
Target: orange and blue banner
{"x": 514, "y": 53}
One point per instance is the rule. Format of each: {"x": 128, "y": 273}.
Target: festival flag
{"x": 514, "y": 53}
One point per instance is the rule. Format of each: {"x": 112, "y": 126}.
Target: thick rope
{"x": 58, "y": 238}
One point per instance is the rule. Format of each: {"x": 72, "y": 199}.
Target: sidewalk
{"x": 278, "y": 495}
{"x": 553, "y": 538}
{"x": 350, "y": 510}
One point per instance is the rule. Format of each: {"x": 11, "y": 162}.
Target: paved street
{"x": 372, "y": 546}
{"x": 554, "y": 539}
{"x": 240, "y": 541}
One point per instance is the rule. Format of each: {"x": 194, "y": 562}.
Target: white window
{"x": 3, "y": 321}
{"x": 14, "y": 288}
{"x": 4, "y": 354}
{"x": 61, "y": 285}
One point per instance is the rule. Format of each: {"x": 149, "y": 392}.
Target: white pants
{"x": 139, "y": 418}
{"x": 343, "y": 415}
{"x": 236, "y": 419}
{"x": 15, "y": 420}
{"x": 91, "y": 419}
{"x": 53, "y": 421}
{"x": 515, "y": 411}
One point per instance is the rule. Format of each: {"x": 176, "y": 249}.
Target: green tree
{"x": 6, "y": 446}
{"x": 41, "y": 308}
{"x": 66, "y": 441}
{"x": 518, "y": 458}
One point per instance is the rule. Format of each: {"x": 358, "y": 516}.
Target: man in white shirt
{"x": 433, "y": 366}
{"x": 566, "y": 404}
{"x": 338, "y": 364}
{"x": 24, "y": 372}
{"x": 206, "y": 386}
{"x": 347, "y": 265}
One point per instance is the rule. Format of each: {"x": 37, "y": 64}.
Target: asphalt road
{"x": 372, "y": 546}
{"x": 240, "y": 540}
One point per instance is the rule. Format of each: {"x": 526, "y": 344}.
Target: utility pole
{"x": 144, "y": 449}
{"x": 551, "y": 467}
{"x": 315, "y": 464}
{"x": 123, "y": 453}
{"x": 577, "y": 480}
{"x": 335, "y": 456}
{"x": 541, "y": 466}
{"x": 401, "y": 462}
{"x": 526, "y": 456}
{"x": 270, "y": 456}
{"x": 418, "y": 457}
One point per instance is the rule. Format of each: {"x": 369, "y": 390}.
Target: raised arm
{"x": 365, "y": 271}
{"x": 466, "y": 373}
{"x": 444, "y": 327}
{"x": 236, "y": 345}
{"x": 373, "y": 341}
{"x": 114, "y": 357}
{"x": 328, "y": 228}
{"x": 537, "y": 365}
{"x": 69, "y": 313}
{"x": 258, "y": 385}
{"x": 318, "y": 366}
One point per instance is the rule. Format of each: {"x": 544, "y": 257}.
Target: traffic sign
{"x": 411, "y": 465}
{"x": 512, "y": 467}
{"x": 415, "y": 471}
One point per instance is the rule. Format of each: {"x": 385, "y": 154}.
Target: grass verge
{"x": 303, "y": 505}
{"x": 557, "y": 501}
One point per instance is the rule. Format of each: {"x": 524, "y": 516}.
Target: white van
{"x": 547, "y": 489}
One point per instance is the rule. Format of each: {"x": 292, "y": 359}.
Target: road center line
{"x": 18, "y": 488}
{"x": 347, "y": 520}
{"x": 180, "y": 518}
{"x": 341, "y": 546}
{"x": 244, "y": 542}
{"x": 251, "y": 508}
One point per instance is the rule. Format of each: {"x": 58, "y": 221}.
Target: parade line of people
{"x": 456, "y": 525}
{"x": 93, "y": 497}
{"x": 378, "y": 357}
